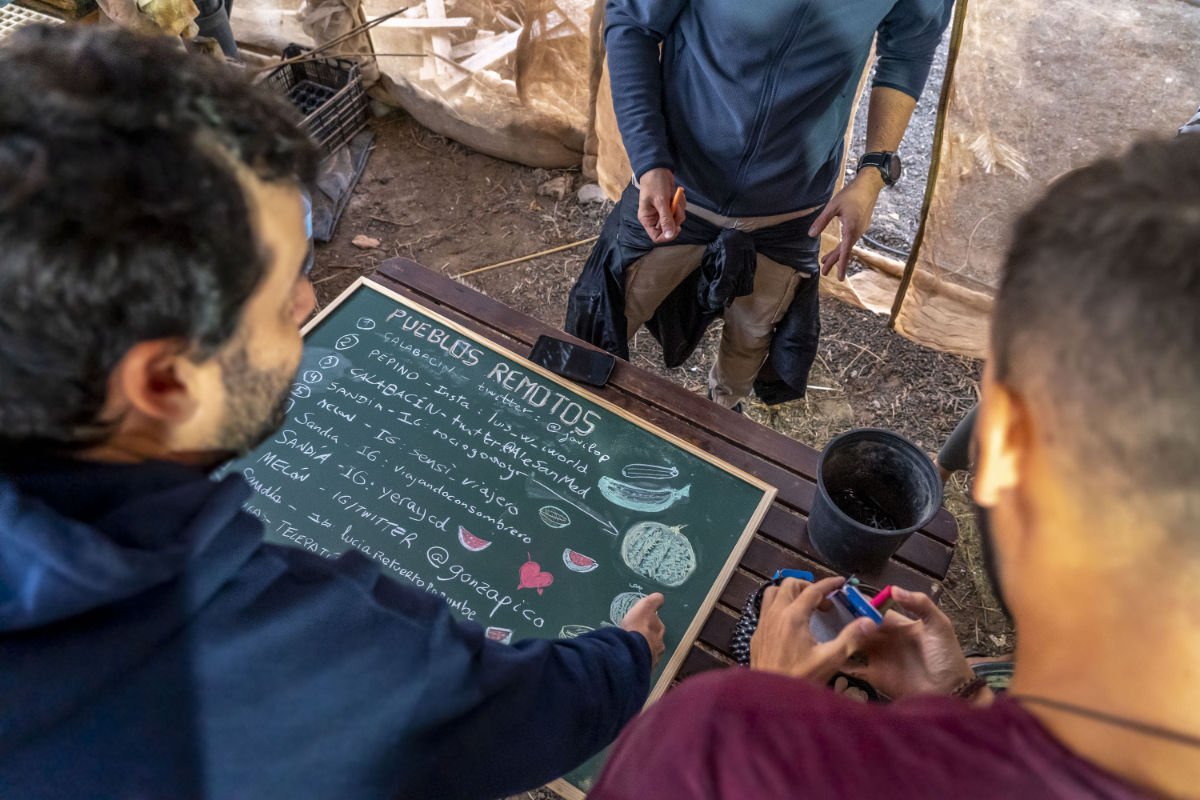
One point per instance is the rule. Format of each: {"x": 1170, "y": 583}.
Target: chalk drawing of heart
{"x": 532, "y": 576}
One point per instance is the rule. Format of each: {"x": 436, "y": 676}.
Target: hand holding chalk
{"x": 661, "y": 205}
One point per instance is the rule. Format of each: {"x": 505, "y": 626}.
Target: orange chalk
{"x": 675, "y": 200}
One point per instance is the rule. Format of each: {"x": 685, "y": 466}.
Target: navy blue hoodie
{"x": 751, "y": 98}
{"x": 151, "y": 646}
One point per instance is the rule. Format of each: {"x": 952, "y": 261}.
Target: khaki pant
{"x": 749, "y": 322}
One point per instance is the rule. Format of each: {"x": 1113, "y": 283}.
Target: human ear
{"x": 153, "y": 380}
{"x": 304, "y": 300}
{"x": 1002, "y": 438}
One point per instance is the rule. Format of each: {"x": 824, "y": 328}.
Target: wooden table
{"x": 782, "y": 539}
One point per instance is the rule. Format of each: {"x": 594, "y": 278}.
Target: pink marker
{"x": 882, "y": 599}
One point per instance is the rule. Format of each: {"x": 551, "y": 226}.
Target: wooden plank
{"x": 482, "y": 39}
{"x": 498, "y": 49}
{"x": 944, "y": 527}
{"x": 435, "y": 10}
{"x": 717, "y": 632}
{"x": 741, "y": 584}
{"x": 700, "y": 660}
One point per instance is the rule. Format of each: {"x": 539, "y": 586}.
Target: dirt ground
{"x": 435, "y": 201}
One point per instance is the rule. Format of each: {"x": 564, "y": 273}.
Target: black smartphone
{"x": 573, "y": 361}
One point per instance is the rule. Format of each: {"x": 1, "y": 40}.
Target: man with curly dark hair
{"x": 152, "y": 244}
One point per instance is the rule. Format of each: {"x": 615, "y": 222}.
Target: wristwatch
{"x": 888, "y": 164}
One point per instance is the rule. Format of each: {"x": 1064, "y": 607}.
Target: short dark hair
{"x": 1098, "y": 318}
{"x": 121, "y": 215}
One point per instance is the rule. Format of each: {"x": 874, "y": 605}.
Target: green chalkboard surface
{"x": 531, "y": 506}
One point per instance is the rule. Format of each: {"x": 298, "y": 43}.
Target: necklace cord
{"x": 1112, "y": 719}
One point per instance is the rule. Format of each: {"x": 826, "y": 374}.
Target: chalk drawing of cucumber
{"x": 636, "y": 498}
{"x": 659, "y": 552}
{"x": 621, "y": 605}
{"x": 648, "y": 472}
{"x": 537, "y": 489}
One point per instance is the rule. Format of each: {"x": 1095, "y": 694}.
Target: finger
{"x": 790, "y": 589}
{"x": 917, "y": 603}
{"x": 666, "y": 220}
{"x": 768, "y": 600}
{"x": 894, "y": 620}
{"x": 828, "y": 260}
{"x": 822, "y": 221}
{"x": 648, "y": 605}
{"x": 814, "y": 594}
{"x": 844, "y": 258}
{"x": 851, "y": 639}
{"x": 648, "y": 216}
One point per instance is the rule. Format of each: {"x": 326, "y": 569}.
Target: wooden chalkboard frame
{"x": 676, "y": 657}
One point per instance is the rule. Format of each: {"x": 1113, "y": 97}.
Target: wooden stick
{"x": 425, "y": 23}
{"x": 926, "y": 280}
{"x": 332, "y": 43}
{"x": 530, "y": 257}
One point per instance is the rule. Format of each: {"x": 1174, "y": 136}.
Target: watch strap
{"x": 879, "y": 160}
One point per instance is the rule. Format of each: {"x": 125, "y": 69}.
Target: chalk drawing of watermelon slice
{"x": 472, "y": 543}
{"x": 578, "y": 562}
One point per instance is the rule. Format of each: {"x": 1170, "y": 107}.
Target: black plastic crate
{"x": 328, "y": 92}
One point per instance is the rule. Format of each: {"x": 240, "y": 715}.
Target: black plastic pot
{"x": 874, "y": 488}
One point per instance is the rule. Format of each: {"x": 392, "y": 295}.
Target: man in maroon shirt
{"x": 1088, "y": 469}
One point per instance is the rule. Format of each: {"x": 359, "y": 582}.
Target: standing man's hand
{"x": 784, "y": 643}
{"x": 643, "y": 619}
{"x": 915, "y": 656}
{"x": 853, "y": 207}
{"x": 657, "y": 187}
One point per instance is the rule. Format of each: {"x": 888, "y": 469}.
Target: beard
{"x": 256, "y": 401}
{"x": 991, "y": 566}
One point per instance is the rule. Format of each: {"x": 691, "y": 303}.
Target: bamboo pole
{"x": 529, "y": 257}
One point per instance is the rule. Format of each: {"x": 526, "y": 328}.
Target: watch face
{"x": 894, "y": 168}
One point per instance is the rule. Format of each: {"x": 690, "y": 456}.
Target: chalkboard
{"x": 533, "y": 507}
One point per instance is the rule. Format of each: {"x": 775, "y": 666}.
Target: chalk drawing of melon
{"x": 472, "y": 543}
{"x": 621, "y": 605}
{"x": 554, "y": 517}
{"x": 658, "y": 552}
{"x": 574, "y": 631}
{"x": 578, "y": 562}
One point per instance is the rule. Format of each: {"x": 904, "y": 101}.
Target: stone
{"x": 590, "y": 193}
{"x": 365, "y": 242}
{"x": 556, "y": 187}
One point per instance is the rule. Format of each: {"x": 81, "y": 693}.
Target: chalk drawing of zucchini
{"x": 649, "y": 472}
{"x": 636, "y": 498}
{"x": 554, "y": 517}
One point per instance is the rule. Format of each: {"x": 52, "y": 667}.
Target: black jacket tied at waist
{"x": 596, "y": 311}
